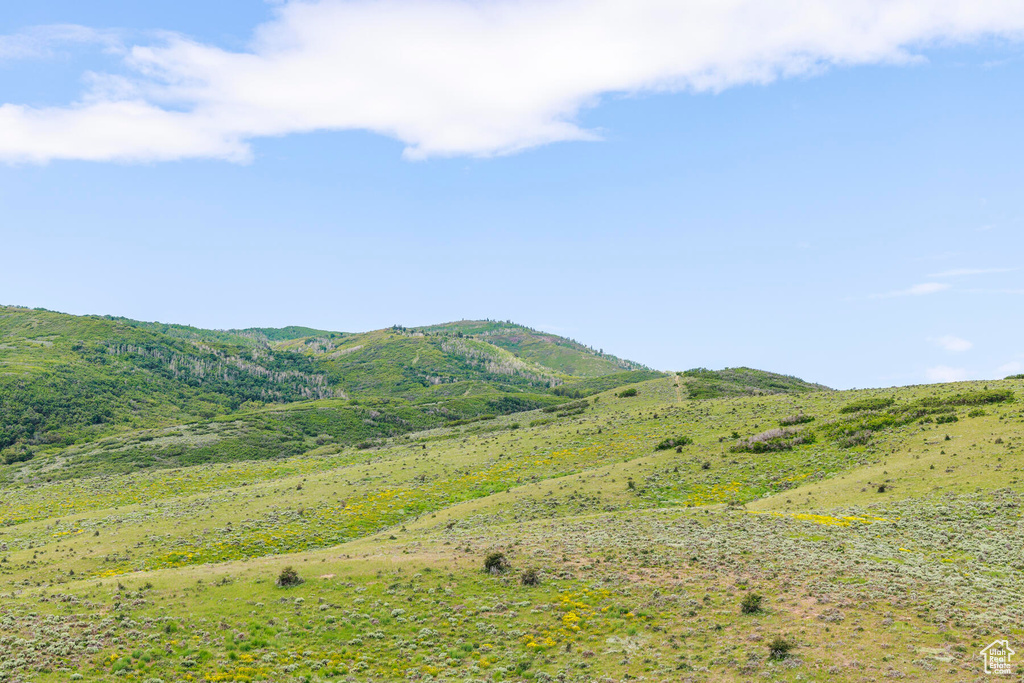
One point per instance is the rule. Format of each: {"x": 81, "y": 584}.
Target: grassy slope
{"x": 66, "y": 380}
{"x": 558, "y": 353}
{"x": 643, "y": 554}
{"x": 703, "y": 383}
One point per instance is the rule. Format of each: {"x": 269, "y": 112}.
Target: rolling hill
{"x": 648, "y": 535}
{"x": 461, "y": 510}
{"x": 66, "y": 379}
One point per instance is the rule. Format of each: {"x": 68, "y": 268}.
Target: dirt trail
{"x": 679, "y": 391}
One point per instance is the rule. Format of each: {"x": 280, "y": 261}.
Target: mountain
{"x": 65, "y": 378}
{"x": 558, "y": 353}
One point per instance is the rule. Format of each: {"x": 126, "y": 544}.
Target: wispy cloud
{"x": 1011, "y": 368}
{"x": 995, "y": 291}
{"x": 40, "y": 42}
{"x": 449, "y": 77}
{"x": 961, "y": 272}
{"x": 922, "y": 289}
{"x": 951, "y": 343}
{"x": 944, "y": 373}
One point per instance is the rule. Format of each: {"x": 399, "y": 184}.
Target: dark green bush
{"x": 496, "y": 563}
{"x": 797, "y": 419}
{"x": 867, "y": 404}
{"x": 751, "y": 603}
{"x": 627, "y": 393}
{"x": 18, "y": 455}
{"x": 288, "y": 578}
{"x": 970, "y": 398}
{"x": 530, "y": 578}
{"x": 673, "y": 443}
{"x": 779, "y": 647}
{"x": 571, "y": 405}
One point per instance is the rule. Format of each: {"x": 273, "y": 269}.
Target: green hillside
{"x": 704, "y": 383}
{"x": 65, "y": 377}
{"x": 451, "y": 504}
{"x": 558, "y": 353}
{"x": 65, "y": 380}
{"x": 647, "y": 535}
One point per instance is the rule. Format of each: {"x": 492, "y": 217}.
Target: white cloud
{"x": 943, "y": 373}
{"x": 917, "y": 290}
{"x": 951, "y": 343}
{"x": 452, "y": 77}
{"x": 960, "y": 272}
{"x": 1011, "y": 368}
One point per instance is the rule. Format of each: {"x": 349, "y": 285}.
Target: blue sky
{"x": 856, "y": 222}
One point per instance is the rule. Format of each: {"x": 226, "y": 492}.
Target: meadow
{"x": 875, "y": 534}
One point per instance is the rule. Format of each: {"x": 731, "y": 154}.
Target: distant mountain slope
{"x": 67, "y": 380}
{"x": 404, "y": 363}
{"x": 64, "y": 378}
{"x": 550, "y": 350}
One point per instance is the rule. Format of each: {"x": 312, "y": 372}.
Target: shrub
{"x": 676, "y": 442}
{"x": 1015, "y": 377}
{"x": 970, "y": 398}
{"x": 977, "y": 412}
{"x": 627, "y": 393}
{"x": 881, "y": 488}
{"x": 530, "y": 578}
{"x": 572, "y": 405}
{"x": 779, "y": 439}
{"x": 867, "y": 404}
{"x": 288, "y": 578}
{"x": 20, "y": 455}
{"x": 797, "y": 419}
{"x": 856, "y": 439}
{"x": 496, "y": 563}
{"x": 779, "y": 647}
{"x": 751, "y": 603}
{"x": 946, "y": 419}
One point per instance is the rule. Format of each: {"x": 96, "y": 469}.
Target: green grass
{"x": 151, "y": 552}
